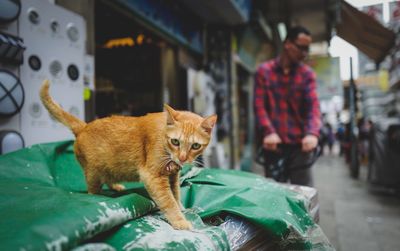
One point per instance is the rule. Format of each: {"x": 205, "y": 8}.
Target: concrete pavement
{"x": 352, "y": 216}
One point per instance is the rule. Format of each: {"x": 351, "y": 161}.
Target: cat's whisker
{"x": 198, "y": 163}
{"x": 165, "y": 159}
{"x": 164, "y": 163}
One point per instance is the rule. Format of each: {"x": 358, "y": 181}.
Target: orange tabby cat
{"x": 151, "y": 148}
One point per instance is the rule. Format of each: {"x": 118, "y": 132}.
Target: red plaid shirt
{"x": 287, "y": 104}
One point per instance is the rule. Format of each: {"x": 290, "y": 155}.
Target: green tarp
{"x": 44, "y": 206}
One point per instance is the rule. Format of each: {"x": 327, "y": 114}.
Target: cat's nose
{"x": 182, "y": 158}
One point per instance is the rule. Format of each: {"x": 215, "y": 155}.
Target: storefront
{"x": 128, "y": 68}
{"x": 251, "y": 47}
{"x": 138, "y": 66}
{"x": 151, "y": 52}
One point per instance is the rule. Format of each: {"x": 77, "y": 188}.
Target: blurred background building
{"x": 129, "y": 57}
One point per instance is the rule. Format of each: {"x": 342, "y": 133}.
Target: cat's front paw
{"x": 182, "y": 225}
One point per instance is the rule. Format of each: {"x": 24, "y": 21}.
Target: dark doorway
{"x": 128, "y": 65}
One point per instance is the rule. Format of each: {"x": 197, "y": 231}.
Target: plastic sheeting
{"x": 44, "y": 206}
{"x": 384, "y": 164}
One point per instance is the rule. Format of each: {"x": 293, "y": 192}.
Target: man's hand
{"x": 271, "y": 142}
{"x": 309, "y": 142}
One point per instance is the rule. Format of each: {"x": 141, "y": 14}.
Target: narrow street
{"x": 351, "y": 215}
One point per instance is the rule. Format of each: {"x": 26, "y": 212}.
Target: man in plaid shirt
{"x": 287, "y": 111}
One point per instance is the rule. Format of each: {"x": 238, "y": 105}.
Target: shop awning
{"x": 364, "y": 32}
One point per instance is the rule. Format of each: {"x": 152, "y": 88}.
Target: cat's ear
{"x": 208, "y": 123}
{"x": 170, "y": 114}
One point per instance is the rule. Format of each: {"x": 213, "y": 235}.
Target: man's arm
{"x": 270, "y": 138}
{"x": 262, "y": 118}
{"x": 313, "y": 116}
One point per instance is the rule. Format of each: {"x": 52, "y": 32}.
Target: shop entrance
{"x": 128, "y": 65}
{"x": 246, "y": 117}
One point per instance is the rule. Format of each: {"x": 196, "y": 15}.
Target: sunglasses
{"x": 303, "y": 48}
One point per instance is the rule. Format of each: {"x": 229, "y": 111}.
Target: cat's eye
{"x": 175, "y": 142}
{"x": 196, "y": 146}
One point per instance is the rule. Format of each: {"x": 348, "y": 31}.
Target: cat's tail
{"x": 74, "y": 123}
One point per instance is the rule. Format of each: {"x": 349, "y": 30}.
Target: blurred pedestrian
{"x": 364, "y": 128}
{"x": 326, "y": 138}
{"x": 346, "y": 142}
{"x": 331, "y": 137}
{"x": 287, "y": 111}
{"x": 323, "y": 138}
{"x": 340, "y": 135}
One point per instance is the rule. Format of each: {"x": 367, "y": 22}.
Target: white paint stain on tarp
{"x": 95, "y": 247}
{"x": 107, "y": 218}
{"x": 194, "y": 171}
{"x": 164, "y": 234}
{"x": 57, "y": 244}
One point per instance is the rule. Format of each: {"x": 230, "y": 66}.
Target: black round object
{"x": 9, "y": 10}
{"x": 34, "y": 62}
{"x": 73, "y": 72}
{"x": 12, "y": 94}
{"x": 55, "y": 26}
{"x": 33, "y": 16}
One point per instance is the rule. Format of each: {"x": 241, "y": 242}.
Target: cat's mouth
{"x": 173, "y": 166}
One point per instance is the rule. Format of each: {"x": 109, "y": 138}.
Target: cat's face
{"x": 187, "y": 135}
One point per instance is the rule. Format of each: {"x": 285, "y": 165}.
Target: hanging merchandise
{"x": 11, "y": 46}
{"x": 55, "y": 50}
{"x": 11, "y": 49}
{"x": 9, "y": 10}
{"x": 12, "y": 94}
{"x": 10, "y": 141}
